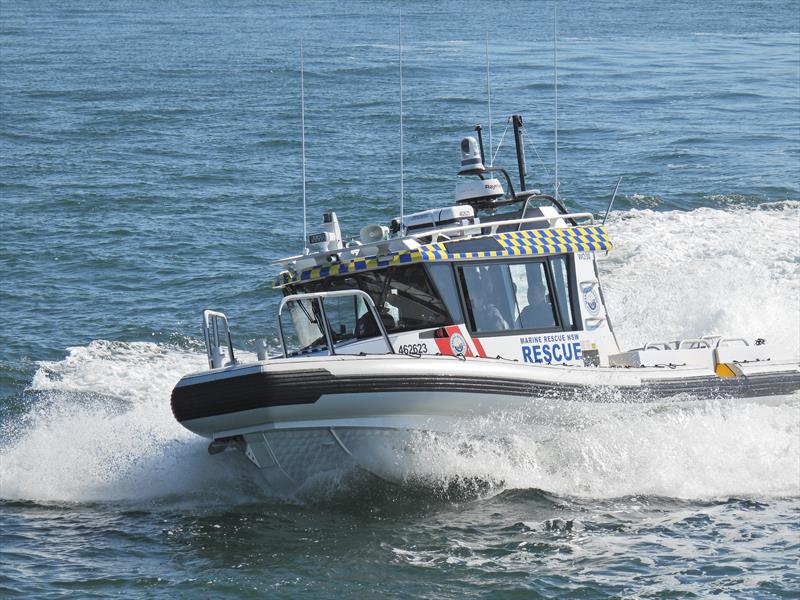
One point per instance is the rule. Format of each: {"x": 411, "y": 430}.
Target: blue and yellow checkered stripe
{"x": 553, "y": 241}
{"x": 530, "y": 242}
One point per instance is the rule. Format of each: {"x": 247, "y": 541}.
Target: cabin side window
{"x": 562, "y": 282}
{"x": 525, "y": 295}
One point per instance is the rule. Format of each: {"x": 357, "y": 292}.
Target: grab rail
{"x": 435, "y": 234}
{"x": 732, "y": 339}
{"x": 318, "y": 297}
{"x": 654, "y": 345}
{"x": 707, "y": 341}
{"x": 687, "y": 344}
{"x": 494, "y": 225}
{"x": 693, "y": 344}
{"x": 718, "y": 341}
{"x": 216, "y": 330}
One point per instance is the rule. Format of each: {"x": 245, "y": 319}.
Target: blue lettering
{"x": 536, "y": 356}
{"x": 548, "y": 353}
{"x": 526, "y": 354}
{"x": 548, "y": 358}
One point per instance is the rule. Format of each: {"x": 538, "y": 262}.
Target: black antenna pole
{"x": 478, "y": 129}
{"x": 517, "y": 121}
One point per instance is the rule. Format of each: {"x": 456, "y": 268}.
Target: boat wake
{"x": 707, "y": 271}
{"x": 713, "y": 450}
{"x": 98, "y": 428}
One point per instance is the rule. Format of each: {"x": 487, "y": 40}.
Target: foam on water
{"x": 732, "y": 272}
{"x": 717, "y": 449}
{"x": 99, "y": 426}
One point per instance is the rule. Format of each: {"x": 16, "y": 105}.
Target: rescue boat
{"x": 433, "y": 322}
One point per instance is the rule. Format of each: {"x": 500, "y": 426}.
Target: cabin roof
{"x": 528, "y": 242}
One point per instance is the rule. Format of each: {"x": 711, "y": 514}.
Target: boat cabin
{"x": 502, "y": 275}
{"x": 529, "y": 294}
{"x": 474, "y": 279}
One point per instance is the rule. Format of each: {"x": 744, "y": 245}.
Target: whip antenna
{"x": 489, "y": 100}
{"x": 401, "y": 119}
{"x": 303, "y": 142}
{"x": 611, "y": 203}
{"x": 555, "y": 90}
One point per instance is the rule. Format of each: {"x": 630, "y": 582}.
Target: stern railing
{"x": 217, "y": 334}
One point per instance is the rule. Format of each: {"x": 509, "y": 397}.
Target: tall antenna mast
{"x": 555, "y": 88}
{"x": 401, "y": 119}
{"x": 489, "y": 100}
{"x": 303, "y": 137}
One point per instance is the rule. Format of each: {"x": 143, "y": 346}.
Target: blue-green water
{"x": 150, "y": 166}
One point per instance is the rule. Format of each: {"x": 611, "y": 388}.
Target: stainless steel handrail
{"x": 318, "y": 297}
{"x": 494, "y": 225}
{"x": 434, "y": 234}
{"x": 693, "y": 344}
{"x": 732, "y": 339}
{"x": 687, "y": 344}
{"x": 718, "y": 341}
{"x": 654, "y": 345}
{"x": 211, "y": 333}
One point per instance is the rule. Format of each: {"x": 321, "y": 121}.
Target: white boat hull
{"x": 306, "y": 419}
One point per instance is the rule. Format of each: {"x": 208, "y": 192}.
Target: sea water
{"x": 150, "y": 165}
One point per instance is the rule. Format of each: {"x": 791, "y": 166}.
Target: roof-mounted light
{"x": 471, "y": 161}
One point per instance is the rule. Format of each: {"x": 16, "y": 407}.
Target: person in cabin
{"x": 539, "y": 312}
{"x": 485, "y": 311}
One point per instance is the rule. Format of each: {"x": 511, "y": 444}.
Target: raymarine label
{"x": 551, "y": 348}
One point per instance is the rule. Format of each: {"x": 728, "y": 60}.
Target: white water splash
{"x": 101, "y": 429}
{"x": 675, "y": 275}
{"x": 710, "y": 450}
{"x": 671, "y": 275}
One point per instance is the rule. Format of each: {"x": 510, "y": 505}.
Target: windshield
{"x": 303, "y": 330}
